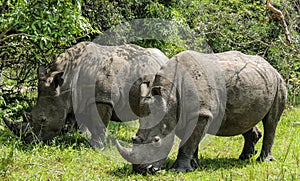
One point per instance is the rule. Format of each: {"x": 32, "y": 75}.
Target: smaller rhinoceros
{"x": 91, "y": 84}
{"x": 223, "y": 94}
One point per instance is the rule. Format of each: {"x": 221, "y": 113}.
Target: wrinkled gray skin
{"x": 91, "y": 84}
{"x": 224, "y": 94}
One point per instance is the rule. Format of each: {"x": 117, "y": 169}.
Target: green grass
{"x": 69, "y": 157}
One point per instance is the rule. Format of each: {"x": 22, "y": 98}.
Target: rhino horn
{"x": 126, "y": 153}
{"x": 145, "y": 153}
{"x": 16, "y": 127}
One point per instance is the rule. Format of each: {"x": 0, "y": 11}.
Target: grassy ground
{"x": 70, "y": 158}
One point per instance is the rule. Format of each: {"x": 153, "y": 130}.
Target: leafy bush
{"x": 35, "y": 32}
{"x": 225, "y": 25}
{"x": 242, "y": 25}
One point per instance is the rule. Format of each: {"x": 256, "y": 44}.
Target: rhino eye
{"x": 156, "y": 139}
{"x": 164, "y": 126}
{"x": 157, "y": 142}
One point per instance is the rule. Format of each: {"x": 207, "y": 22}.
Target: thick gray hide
{"x": 95, "y": 84}
{"x": 110, "y": 73}
{"x": 244, "y": 85}
{"x": 223, "y": 94}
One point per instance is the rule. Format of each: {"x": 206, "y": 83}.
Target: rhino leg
{"x": 251, "y": 137}
{"x": 195, "y": 160}
{"x": 187, "y": 157}
{"x": 95, "y": 122}
{"x": 270, "y": 122}
{"x": 99, "y": 128}
{"x": 268, "y": 139}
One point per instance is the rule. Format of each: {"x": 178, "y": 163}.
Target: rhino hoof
{"x": 265, "y": 159}
{"x": 182, "y": 168}
{"x": 247, "y": 156}
{"x": 195, "y": 163}
{"x": 97, "y": 145}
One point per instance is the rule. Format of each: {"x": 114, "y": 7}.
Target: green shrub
{"x": 36, "y": 32}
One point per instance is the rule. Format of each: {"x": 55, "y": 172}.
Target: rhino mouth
{"x": 147, "y": 169}
{"x": 149, "y": 157}
{"x": 48, "y": 136}
{"x": 20, "y": 129}
{"x": 142, "y": 161}
{"x": 26, "y": 132}
{"x": 30, "y": 133}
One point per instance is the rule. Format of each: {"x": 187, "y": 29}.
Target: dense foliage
{"x": 35, "y": 32}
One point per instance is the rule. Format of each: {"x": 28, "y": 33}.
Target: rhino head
{"x": 156, "y": 132}
{"x": 48, "y": 116}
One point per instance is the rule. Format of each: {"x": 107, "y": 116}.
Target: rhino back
{"x": 105, "y": 74}
{"x": 70, "y": 55}
{"x": 237, "y": 89}
{"x": 252, "y": 84}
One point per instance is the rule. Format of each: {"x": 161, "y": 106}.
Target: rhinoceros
{"x": 91, "y": 84}
{"x": 194, "y": 94}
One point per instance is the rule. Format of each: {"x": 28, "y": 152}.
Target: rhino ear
{"x": 56, "y": 78}
{"x": 42, "y": 72}
{"x": 145, "y": 88}
{"x": 156, "y": 90}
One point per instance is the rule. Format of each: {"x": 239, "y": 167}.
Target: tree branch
{"x": 5, "y": 31}
{"x": 14, "y": 35}
{"x": 269, "y": 18}
{"x": 280, "y": 15}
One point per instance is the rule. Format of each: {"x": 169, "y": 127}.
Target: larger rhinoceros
{"x": 223, "y": 94}
{"x": 92, "y": 84}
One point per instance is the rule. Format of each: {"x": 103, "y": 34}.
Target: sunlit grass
{"x": 69, "y": 157}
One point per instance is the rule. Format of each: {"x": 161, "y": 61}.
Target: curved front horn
{"x": 126, "y": 153}
{"x": 147, "y": 153}
{"x": 16, "y": 127}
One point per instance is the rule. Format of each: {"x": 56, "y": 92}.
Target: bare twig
{"x": 280, "y": 15}
{"x": 252, "y": 42}
{"x": 5, "y": 31}
{"x": 268, "y": 18}
{"x": 14, "y": 35}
